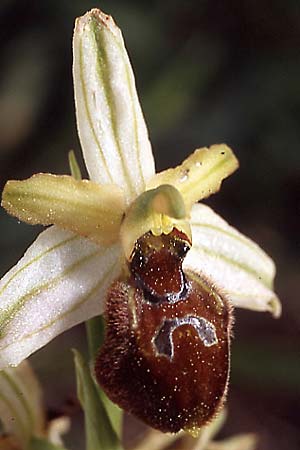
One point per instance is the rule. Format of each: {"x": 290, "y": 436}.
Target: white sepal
{"x": 60, "y": 281}
{"x": 111, "y": 125}
{"x": 232, "y": 261}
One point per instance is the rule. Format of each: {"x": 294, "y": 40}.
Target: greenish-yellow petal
{"x": 200, "y": 175}
{"x": 81, "y": 206}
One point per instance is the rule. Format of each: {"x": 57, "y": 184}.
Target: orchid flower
{"x": 64, "y": 277}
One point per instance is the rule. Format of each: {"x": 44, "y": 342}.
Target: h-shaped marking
{"x": 163, "y": 340}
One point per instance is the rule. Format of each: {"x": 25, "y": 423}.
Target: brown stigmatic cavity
{"x": 166, "y": 353}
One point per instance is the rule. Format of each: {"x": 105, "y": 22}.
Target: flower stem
{"x": 95, "y": 329}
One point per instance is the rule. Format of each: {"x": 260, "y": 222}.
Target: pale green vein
{"x": 34, "y": 260}
{"x": 82, "y": 300}
{"x": 134, "y": 113}
{"x": 105, "y": 164}
{"x": 52, "y": 200}
{"x": 121, "y": 48}
{"x": 222, "y": 231}
{"x": 11, "y": 311}
{"x": 243, "y": 240}
{"x": 242, "y": 266}
{"x": 110, "y": 100}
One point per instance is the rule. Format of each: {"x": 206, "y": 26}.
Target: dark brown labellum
{"x": 166, "y": 353}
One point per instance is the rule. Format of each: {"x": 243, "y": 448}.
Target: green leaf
{"x": 43, "y": 444}
{"x": 95, "y": 329}
{"x": 100, "y": 434}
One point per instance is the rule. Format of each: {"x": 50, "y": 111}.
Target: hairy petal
{"x": 80, "y": 206}
{"x": 21, "y": 407}
{"x": 201, "y": 174}
{"x": 232, "y": 261}
{"x": 61, "y": 281}
{"x": 111, "y": 126}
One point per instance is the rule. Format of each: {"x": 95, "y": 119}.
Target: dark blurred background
{"x": 207, "y": 72}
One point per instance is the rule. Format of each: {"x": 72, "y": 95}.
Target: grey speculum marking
{"x": 163, "y": 340}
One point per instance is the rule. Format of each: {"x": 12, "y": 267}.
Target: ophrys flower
{"x": 127, "y": 212}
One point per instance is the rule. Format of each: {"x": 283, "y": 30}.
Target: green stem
{"x": 95, "y": 329}
{"x": 99, "y": 432}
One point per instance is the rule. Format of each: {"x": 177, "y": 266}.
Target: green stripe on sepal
{"x": 232, "y": 261}
{"x": 111, "y": 126}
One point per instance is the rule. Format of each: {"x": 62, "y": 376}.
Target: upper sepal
{"x": 111, "y": 126}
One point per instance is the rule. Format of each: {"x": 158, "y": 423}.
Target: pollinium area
{"x": 166, "y": 352}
